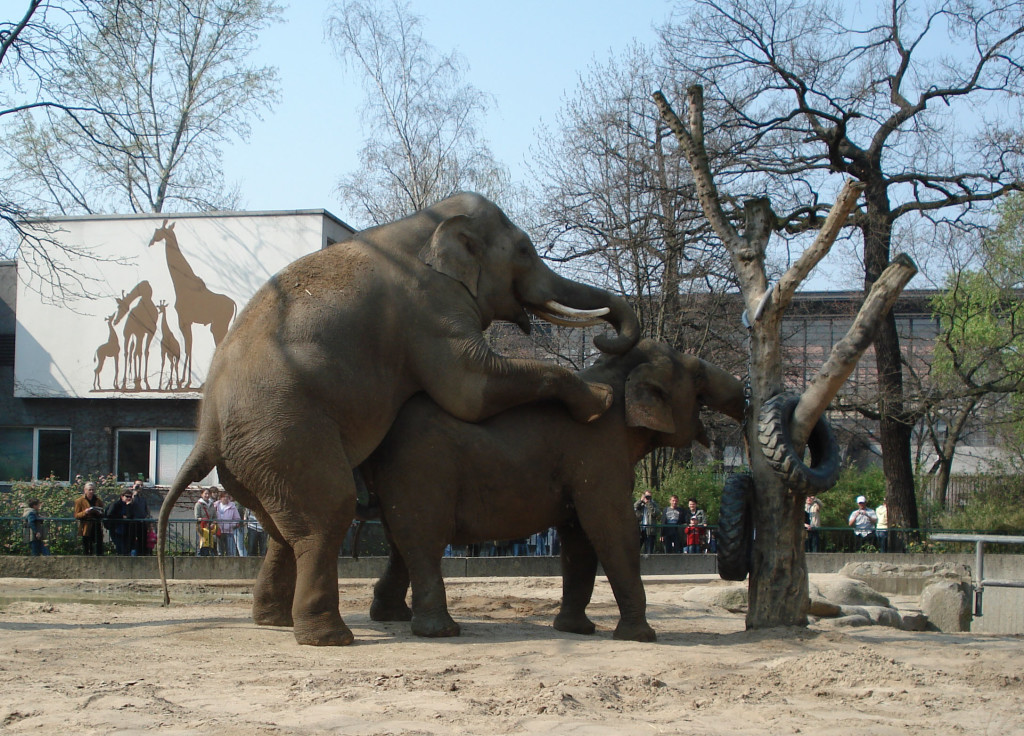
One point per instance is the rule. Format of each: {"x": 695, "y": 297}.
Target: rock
{"x": 732, "y": 598}
{"x": 908, "y": 579}
{"x": 847, "y": 621}
{"x": 884, "y": 616}
{"x": 847, "y": 591}
{"x": 947, "y": 604}
{"x": 914, "y": 622}
{"x": 823, "y": 608}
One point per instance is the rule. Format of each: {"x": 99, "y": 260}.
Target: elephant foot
{"x": 599, "y": 398}
{"x": 272, "y": 617}
{"x": 380, "y": 611}
{"x": 435, "y": 626}
{"x": 634, "y": 632}
{"x": 574, "y": 624}
{"x": 323, "y": 631}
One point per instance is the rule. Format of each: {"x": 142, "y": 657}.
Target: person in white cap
{"x": 863, "y": 520}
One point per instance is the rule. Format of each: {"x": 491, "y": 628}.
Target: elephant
{"x": 314, "y": 370}
{"x": 437, "y": 480}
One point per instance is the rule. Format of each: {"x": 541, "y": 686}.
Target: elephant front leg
{"x": 579, "y": 569}
{"x": 274, "y": 593}
{"x": 390, "y": 591}
{"x": 614, "y": 540}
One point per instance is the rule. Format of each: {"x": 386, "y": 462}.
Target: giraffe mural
{"x": 110, "y": 349}
{"x": 170, "y": 350}
{"x": 138, "y": 333}
{"x": 194, "y": 303}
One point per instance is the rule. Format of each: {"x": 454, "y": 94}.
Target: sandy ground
{"x": 91, "y": 657}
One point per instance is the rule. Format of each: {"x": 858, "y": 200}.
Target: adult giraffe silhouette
{"x": 139, "y": 329}
{"x": 194, "y": 303}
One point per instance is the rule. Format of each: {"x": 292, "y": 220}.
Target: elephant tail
{"x": 197, "y": 466}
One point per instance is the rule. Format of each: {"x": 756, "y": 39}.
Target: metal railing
{"x": 184, "y": 538}
{"x": 980, "y": 540}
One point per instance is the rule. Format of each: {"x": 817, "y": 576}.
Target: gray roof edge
{"x": 184, "y": 215}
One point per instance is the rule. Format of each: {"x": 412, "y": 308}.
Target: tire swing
{"x": 774, "y": 433}
{"x": 735, "y": 533}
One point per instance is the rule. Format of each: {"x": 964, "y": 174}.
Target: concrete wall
{"x": 1003, "y": 608}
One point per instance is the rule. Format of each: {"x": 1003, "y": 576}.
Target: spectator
{"x": 812, "y": 523}
{"x": 646, "y": 510}
{"x": 89, "y": 512}
{"x": 36, "y": 529}
{"x": 228, "y": 520}
{"x": 205, "y": 527}
{"x": 138, "y": 510}
{"x": 257, "y": 537}
{"x": 882, "y": 527}
{"x": 863, "y": 521}
{"x": 696, "y": 523}
{"x": 115, "y": 516}
{"x": 240, "y": 530}
{"x": 672, "y": 523}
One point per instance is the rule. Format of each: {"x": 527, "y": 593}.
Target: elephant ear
{"x": 648, "y": 396}
{"x": 454, "y": 251}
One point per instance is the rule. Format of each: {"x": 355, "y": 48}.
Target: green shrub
{"x": 56, "y": 501}
{"x": 703, "y": 483}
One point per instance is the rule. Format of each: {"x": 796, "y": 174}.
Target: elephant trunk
{"x": 592, "y": 305}
{"x": 721, "y": 391}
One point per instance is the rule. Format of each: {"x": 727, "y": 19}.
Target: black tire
{"x": 774, "y": 433}
{"x": 735, "y": 528}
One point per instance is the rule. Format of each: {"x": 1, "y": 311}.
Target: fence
{"x": 184, "y": 540}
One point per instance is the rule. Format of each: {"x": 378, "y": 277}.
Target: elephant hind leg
{"x": 305, "y": 487}
{"x": 579, "y": 569}
{"x": 390, "y": 591}
{"x": 274, "y": 593}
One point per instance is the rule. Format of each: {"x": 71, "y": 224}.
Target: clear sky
{"x": 527, "y": 54}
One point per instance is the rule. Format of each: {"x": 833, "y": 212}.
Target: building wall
{"x": 71, "y": 401}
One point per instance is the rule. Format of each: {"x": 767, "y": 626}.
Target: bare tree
{"x": 421, "y": 117}
{"x": 157, "y": 87}
{"x": 616, "y": 202}
{"x": 778, "y": 588}
{"x": 809, "y": 93}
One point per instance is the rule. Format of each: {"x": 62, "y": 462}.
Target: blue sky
{"x": 528, "y": 55}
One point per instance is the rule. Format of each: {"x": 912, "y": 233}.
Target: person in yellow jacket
{"x": 89, "y": 512}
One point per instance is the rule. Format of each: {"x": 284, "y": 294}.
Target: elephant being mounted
{"x": 314, "y": 370}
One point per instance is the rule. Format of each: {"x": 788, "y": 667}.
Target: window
{"x": 29, "y": 453}
{"x": 155, "y": 455}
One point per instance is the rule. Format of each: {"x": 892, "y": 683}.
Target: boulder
{"x": 947, "y": 604}
{"x": 847, "y": 591}
{"x": 846, "y": 621}
{"x": 909, "y": 579}
{"x": 823, "y": 608}
{"x": 914, "y": 622}
{"x": 732, "y": 598}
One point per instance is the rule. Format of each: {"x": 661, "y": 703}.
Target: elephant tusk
{"x": 559, "y": 314}
{"x": 560, "y": 310}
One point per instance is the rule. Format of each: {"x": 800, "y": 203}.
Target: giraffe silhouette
{"x": 110, "y": 349}
{"x": 138, "y": 333}
{"x": 169, "y": 350}
{"x": 194, "y": 303}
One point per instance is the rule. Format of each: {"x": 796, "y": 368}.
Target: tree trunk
{"x": 894, "y": 429}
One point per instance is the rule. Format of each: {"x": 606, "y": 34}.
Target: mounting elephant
{"x": 312, "y": 374}
{"x": 436, "y": 480}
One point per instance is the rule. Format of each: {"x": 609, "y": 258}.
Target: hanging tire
{"x": 774, "y": 433}
{"x": 735, "y": 528}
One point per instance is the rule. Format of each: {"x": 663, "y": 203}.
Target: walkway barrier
{"x": 979, "y": 541}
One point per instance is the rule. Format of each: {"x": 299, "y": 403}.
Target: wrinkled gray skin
{"x": 310, "y": 378}
{"x": 439, "y": 481}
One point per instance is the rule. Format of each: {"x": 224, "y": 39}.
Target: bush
{"x": 703, "y": 483}
{"x": 56, "y": 501}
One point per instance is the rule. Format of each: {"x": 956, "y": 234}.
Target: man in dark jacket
{"x": 137, "y": 528}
